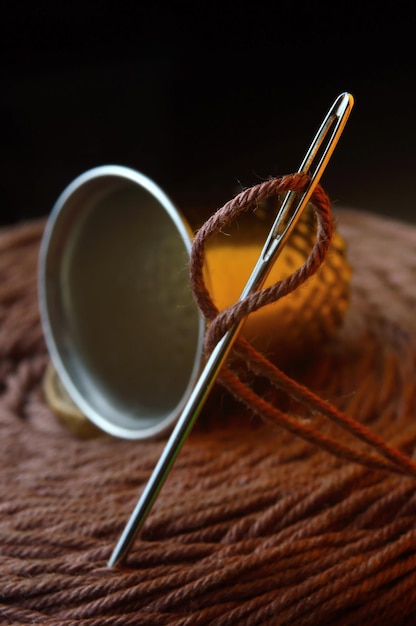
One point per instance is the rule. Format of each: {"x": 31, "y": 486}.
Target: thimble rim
{"x": 146, "y": 427}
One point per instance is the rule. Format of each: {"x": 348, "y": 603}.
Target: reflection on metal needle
{"x": 294, "y": 203}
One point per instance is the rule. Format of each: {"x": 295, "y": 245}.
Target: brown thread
{"x": 252, "y": 359}
{"x": 220, "y": 322}
{"x": 253, "y": 526}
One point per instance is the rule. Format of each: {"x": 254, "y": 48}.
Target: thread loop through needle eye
{"x": 293, "y": 205}
{"x": 320, "y": 150}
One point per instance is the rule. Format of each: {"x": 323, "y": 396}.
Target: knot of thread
{"x": 380, "y": 454}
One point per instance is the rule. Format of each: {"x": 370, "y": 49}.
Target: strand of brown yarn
{"x": 251, "y": 360}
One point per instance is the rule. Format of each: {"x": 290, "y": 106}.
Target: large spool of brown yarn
{"x": 254, "y": 525}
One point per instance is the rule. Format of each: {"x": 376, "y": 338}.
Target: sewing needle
{"x": 294, "y": 203}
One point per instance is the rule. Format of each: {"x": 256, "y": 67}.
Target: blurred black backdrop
{"x": 204, "y": 98}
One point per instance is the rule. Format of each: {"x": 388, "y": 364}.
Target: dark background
{"x": 204, "y": 99}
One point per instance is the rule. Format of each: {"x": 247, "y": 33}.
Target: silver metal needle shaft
{"x": 314, "y": 162}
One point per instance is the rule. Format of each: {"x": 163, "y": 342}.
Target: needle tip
{"x": 115, "y": 557}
